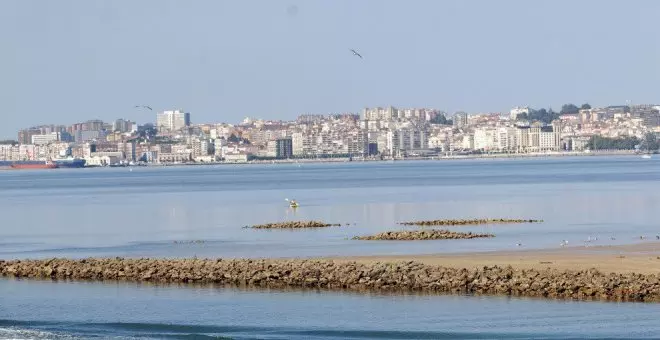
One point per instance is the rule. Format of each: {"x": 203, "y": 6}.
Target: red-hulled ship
{"x": 33, "y": 165}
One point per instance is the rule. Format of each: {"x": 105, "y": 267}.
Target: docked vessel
{"x": 32, "y": 165}
{"x": 70, "y": 163}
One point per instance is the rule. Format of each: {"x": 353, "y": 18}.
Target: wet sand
{"x": 643, "y": 258}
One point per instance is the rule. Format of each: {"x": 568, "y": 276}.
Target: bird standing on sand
{"x": 357, "y": 54}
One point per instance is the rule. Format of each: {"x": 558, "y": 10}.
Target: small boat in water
{"x": 646, "y": 156}
{"x": 292, "y": 203}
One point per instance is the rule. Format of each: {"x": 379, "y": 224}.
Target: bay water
{"x": 202, "y": 211}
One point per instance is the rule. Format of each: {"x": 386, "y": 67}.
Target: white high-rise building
{"x": 506, "y": 139}
{"x": 172, "y": 120}
{"x": 485, "y": 139}
{"x": 298, "y": 140}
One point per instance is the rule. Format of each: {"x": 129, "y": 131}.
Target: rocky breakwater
{"x": 295, "y": 225}
{"x": 416, "y": 235}
{"x": 327, "y": 274}
{"x": 455, "y": 222}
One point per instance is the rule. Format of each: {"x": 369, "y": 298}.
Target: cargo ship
{"x": 70, "y": 162}
{"x": 27, "y": 165}
{"x": 65, "y": 163}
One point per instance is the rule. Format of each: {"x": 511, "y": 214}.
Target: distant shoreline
{"x": 361, "y": 160}
{"x": 430, "y": 158}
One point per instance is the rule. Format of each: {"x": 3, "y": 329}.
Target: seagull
{"x": 357, "y": 54}
{"x": 144, "y": 106}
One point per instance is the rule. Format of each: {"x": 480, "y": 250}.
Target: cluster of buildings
{"x": 385, "y": 132}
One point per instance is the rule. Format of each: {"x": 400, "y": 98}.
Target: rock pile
{"x": 295, "y": 225}
{"x": 402, "y": 276}
{"x": 421, "y": 235}
{"x": 455, "y": 222}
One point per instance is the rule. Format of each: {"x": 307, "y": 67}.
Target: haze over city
{"x": 70, "y": 61}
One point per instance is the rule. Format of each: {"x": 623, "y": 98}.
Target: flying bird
{"x": 357, "y": 54}
{"x": 144, "y": 106}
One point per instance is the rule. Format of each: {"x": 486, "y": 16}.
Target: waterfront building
{"x": 298, "y": 142}
{"x": 468, "y": 142}
{"x": 485, "y": 139}
{"x": 506, "y": 139}
{"x": 236, "y": 157}
{"x": 284, "y": 148}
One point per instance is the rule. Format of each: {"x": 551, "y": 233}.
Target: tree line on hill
{"x": 547, "y": 116}
{"x": 648, "y": 143}
{"x": 534, "y": 115}
{"x": 440, "y": 118}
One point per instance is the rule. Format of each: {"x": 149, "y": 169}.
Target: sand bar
{"x": 643, "y": 258}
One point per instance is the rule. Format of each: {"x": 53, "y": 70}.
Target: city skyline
{"x": 186, "y": 120}
{"x": 98, "y": 59}
{"x": 378, "y": 131}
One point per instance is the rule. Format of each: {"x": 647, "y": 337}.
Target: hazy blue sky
{"x": 67, "y": 61}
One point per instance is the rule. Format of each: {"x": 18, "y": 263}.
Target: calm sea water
{"x": 117, "y": 212}
{"x": 105, "y": 212}
{"x": 46, "y": 310}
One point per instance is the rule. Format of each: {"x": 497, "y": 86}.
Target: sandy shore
{"x": 641, "y": 258}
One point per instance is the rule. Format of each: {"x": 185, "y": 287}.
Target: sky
{"x": 72, "y": 60}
